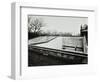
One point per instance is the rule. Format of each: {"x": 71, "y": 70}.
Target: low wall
{"x": 36, "y": 58}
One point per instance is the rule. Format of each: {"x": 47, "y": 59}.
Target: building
{"x": 84, "y": 32}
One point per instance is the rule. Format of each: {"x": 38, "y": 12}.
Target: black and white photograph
{"x": 57, "y": 40}
{"x": 49, "y": 41}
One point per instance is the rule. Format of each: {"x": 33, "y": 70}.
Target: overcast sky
{"x": 62, "y": 24}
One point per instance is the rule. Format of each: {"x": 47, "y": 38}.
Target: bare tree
{"x": 35, "y": 24}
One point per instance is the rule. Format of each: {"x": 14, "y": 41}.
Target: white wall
{"x": 5, "y": 34}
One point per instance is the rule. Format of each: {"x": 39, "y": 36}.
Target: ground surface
{"x": 36, "y": 58}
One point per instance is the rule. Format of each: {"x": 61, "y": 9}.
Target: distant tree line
{"x": 55, "y": 34}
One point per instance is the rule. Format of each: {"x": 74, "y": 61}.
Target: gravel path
{"x": 42, "y": 39}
